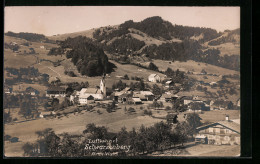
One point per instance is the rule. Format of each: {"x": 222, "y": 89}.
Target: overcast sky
{"x": 59, "y": 20}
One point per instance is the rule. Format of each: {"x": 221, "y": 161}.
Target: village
{"x": 151, "y": 89}
{"x": 171, "y": 106}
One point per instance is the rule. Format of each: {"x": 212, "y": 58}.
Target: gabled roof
{"x": 90, "y": 91}
{"x": 227, "y": 124}
{"x": 90, "y": 97}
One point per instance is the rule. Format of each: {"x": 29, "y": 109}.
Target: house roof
{"x": 135, "y": 99}
{"x": 153, "y": 75}
{"x": 168, "y": 82}
{"x": 138, "y": 95}
{"x": 56, "y": 88}
{"x": 146, "y": 93}
{"x": 227, "y": 124}
{"x": 90, "y": 91}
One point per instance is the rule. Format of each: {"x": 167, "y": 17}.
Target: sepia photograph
{"x": 121, "y": 81}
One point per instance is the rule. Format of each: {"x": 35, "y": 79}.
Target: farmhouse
{"x": 154, "y": 78}
{"x": 144, "y": 95}
{"x": 165, "y": 97}
{"x": 55, "y": 91}
{"x": 122, "y": 94}
{"x": 220, "y": 133}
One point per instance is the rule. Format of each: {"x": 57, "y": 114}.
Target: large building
{"x": 219, "y": 133}
{"x": 98, "y": 93}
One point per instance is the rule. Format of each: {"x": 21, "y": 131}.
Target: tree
{"x": 122, "y": 136}
{"x": 153, "y": 67}
{"x": 96, "y": 132}
{"x": 193, "y": 121}
{"x": 196, "y": 106}
{"x": 28, "y": 149}
{"x": 156, "y": 90}
{"x": 126, "y": 77}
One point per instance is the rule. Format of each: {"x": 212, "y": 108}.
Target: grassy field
{"x": 227, "y": 49}
{"x": 74, "y": 124}
{"x": 87, "y": 33}
{"x": 193, "y": 66}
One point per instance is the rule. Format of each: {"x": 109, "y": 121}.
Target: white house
{"x": 86, "y": 99}
{"x": 154, "y": 78}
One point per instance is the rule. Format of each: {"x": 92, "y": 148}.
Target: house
{"x": 99, "y": 93}
{"x": 165, "y": 97}
{"x": 86, "y": 99}
{"x": 136, "y": 100}
{"x": 154, "y": 78}
{"x": 32, "y": 91}
{"x": 225, "y": 132}
{"x": 187, "y": 100}
{"x": 144, "y": 95}
{"x": 42, "y": 47}
{"x": 122, "y": 94}
{"x": 169, "y": 84}
{"x": 55, "y": 91}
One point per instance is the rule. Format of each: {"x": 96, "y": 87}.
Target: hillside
{"x": 155, "y": 38}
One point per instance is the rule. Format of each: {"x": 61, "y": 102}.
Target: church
{"x": 98, "y": 93}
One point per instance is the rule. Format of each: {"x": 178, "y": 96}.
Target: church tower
{"x": 103, "y": 86}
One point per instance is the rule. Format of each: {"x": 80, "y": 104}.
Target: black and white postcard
{"x": 121, "y": 81}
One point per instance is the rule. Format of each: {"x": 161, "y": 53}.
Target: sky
{"x": 53, "y": 20}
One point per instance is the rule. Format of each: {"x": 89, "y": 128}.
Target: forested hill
{"x": 155, "y": 38}
{"x": 33, "y": 37}
{"x": 86, "y": 55}
{"x": 158, "y": 28}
